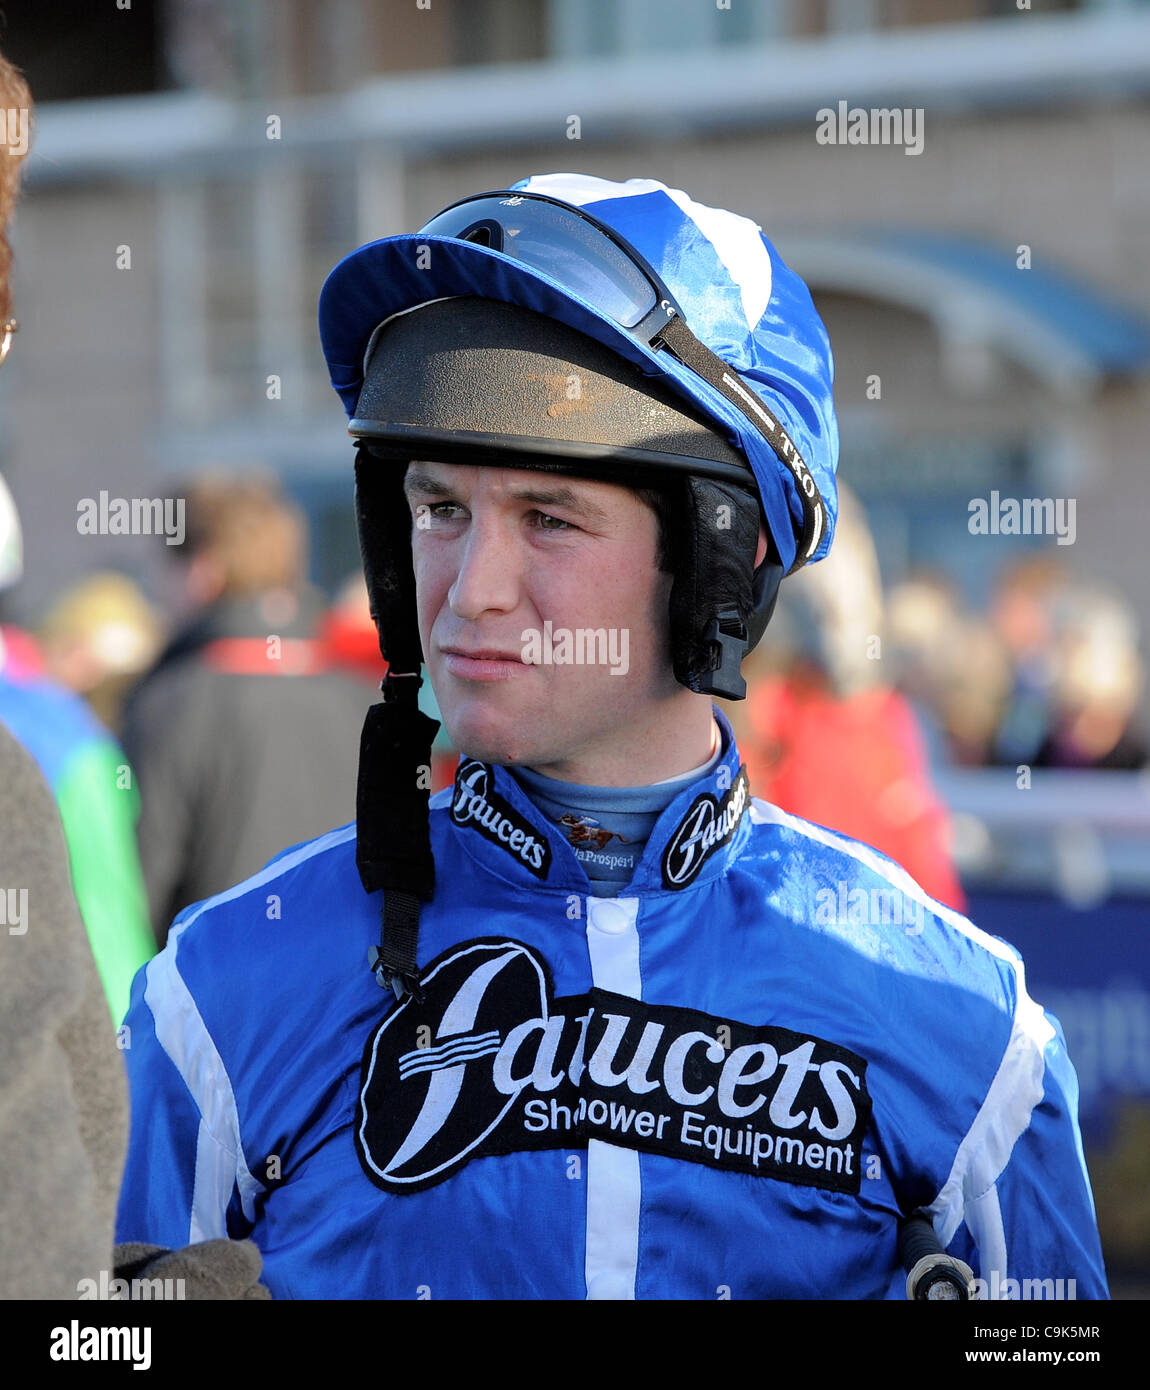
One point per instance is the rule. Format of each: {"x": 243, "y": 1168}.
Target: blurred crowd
{"x": 102, "y": 636}
{"x": 856, "y": 697}
{"x": 1049, "y": 676}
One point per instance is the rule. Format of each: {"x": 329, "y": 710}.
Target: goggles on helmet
{"x": 571, "y": 247}
{"x": 592, "y": 260}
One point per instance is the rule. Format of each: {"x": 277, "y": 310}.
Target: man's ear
{"x": 761, "y": 548}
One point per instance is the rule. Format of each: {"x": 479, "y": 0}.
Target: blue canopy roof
{"x": 1063, "y": 329}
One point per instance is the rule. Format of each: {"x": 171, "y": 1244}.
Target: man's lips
{"x": 481, "y": 663}
{"x": 481, "y": 653}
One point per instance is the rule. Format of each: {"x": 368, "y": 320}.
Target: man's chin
{"x": 487, "y": 738}
{"x": 501, "y": 752}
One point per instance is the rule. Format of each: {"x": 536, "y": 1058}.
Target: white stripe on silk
{"x": 613, "y": 1185}
{"x": 184, "y": 1037}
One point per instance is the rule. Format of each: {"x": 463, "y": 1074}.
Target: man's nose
{"x": 488, "y": 575}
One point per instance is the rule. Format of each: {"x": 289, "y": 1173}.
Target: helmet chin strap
{"x": 393, "y": 840}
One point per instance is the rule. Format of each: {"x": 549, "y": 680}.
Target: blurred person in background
{"x": 96, "y": 798}
{"x": 978, "y": 685}
{"x": 1021, "y": 615}
{"x": 98, "y": 639}
{"x": 244, "y": 737}
{"x": 827, "y": 737}
{"x": 919, "y": 613}
{"x": 1096, "y": 685}
{"x": 952, "y": 667}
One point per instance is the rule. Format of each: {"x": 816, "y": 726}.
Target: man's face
{"x": 507, "y": 564}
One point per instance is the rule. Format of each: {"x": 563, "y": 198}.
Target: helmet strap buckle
{"x": 726, "y": 639}
{"x": 401, "y": 687}
{"x": 388, "y": 977}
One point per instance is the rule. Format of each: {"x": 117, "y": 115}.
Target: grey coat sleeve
{"x": 63, "y": 1092}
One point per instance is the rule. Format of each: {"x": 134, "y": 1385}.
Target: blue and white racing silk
{"x": 730, "y": 1080}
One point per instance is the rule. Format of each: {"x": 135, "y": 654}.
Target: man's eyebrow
{"x": 562, "y": 497}
{"x": 419, "y": 479}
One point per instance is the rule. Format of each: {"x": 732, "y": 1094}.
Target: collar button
{"x": 607, "y": 916}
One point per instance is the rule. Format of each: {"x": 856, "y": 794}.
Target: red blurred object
{"x": 443, "y": 767}
{"x": 350, "y": 645}
{"x": 252, "y": 656}
{"x": 21, "y": 654}
{"x": 856, "y": 765}
{"x": 347, "y": 633}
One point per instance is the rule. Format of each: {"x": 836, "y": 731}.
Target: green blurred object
{"x": 99, "y": 806}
